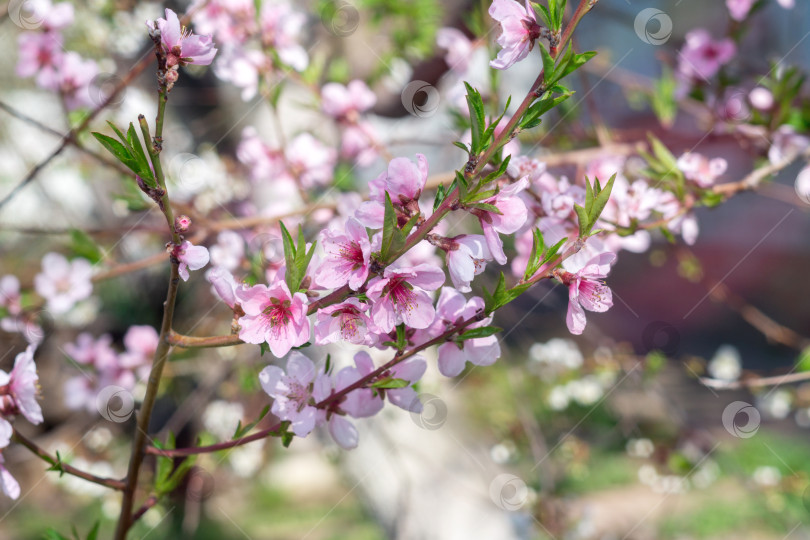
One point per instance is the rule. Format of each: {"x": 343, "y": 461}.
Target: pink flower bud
{"x": 182, "y": 223}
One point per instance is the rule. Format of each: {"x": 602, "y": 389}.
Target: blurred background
{"x": 608, "y": 435}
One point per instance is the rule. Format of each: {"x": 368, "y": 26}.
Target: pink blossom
{"x": 512, "y": 217}
{"x": 52, "y": 16}
{"x": 8, "y": 484}
{"x": 451, "y": 309}
{"x": 18, "y": 389}
{"x": 191, "y": 257}
{"x": 400, "y": 297}
{"x": 243, "y": 68}
{"x": 345, "y": 321}
{"x": 280, "y": 29}
{"x": 180, "y": 45}
{"x": 702, "y": 57}
{"x": 39, "y": 54}
{"x": 467, "y": 257}
{"x": 274, "y": 315}
{"x": 295, "y": 392}
{"x": 586, "y": 289}
{"x": 520, "y": 166}
{"x": 701, "y": 170}
{"x": 97, "y": 353}
{"x": 310, "y": 161}
{"x": 263, "y": 162}
{"x": 786, "y": 143}
{"x": 229, "y": 250}
{"x": 223, "y": 285}
{"x": 458, "y": 47}
{"x": 63, "y": 283}
{"x": 10, "y": 294}
{"x": 519, "y": 31}
{"x": 346, "y": 102}
{"x": 738, "y": 9}
{"x": 347, "y": 256}
{"x": 230, "y": 21}
{"x": 358, "y": 142}
{"x": 403, "y": 181}
{"x": 141, "y": 342}
{"x": 410, "y": 370}
{"x": 72, "y": 80}
{"x": 360, "y": 402}
{"x": 558, "y": 202}
{"x": 761, "y": 98}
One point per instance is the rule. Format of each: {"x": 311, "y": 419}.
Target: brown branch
{"x": 64, "y": 467}
{"x": 756, "y": 382}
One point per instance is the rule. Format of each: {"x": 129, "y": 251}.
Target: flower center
{"x": 401, "y": 293}
{"x": 351, "y": 252}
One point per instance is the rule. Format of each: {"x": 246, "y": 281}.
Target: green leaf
{"x": 462, "y": 146}
{"x": 543, "y": 13}
{"x": 497, "y": 173}
{"x": 539, "y": 108}
{"x": 548, "y": 66}
{"x": 389, "y": 383}
{"x": 83, "y": 246}
{"x": 538, "y": 245}
{"x": 584, "y": 223}
{"x": 93, "y": 534}
{"x": 475, "y": 104}
{"x": 601, "y": 199}
{"x": 574, "y": 63}
{"x": 485, "y": 206}
{"x": 475, "y": 333}
{"x": 501, "y": 295}
{"x": 137, "y": 153}
{"x": 389, "y": 226}
{"x": 552, "y": 251}
{"x": 242, "y": 430}
{"x": 264, "y": 347}
{"x": 441, "y": 194}
{"x": 118, "y": 150}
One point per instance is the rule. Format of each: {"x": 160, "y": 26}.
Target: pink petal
{"x": 344, "y": 432}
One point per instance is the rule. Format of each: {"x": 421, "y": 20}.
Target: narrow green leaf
{"x": 475, "y": 104}
{"x": 552, "y": 251}
{"x": 538, "y": 245}
{"x": 475, "y": 333}
{"x": 485, "y": 206}
{"x": 389, "y": 383}
{"x": 601, "y": 200}
{"x": 389, "y": 226}
{"x": 118, "y": 150}
{"x": 548, "y": 66}
{"x": 574, "y": 63}
{"x": 138, "y": 154}
{"x": 462, "y": 146}
{"x": 584, "y": 225}
{"x": 242, "y": 430}
{"x": 83, "y": 246}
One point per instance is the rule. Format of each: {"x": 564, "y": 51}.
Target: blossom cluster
{"x": 18, "y": 396}
{"x": 42, "y": 55}
{"x": 101, "y": 366}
